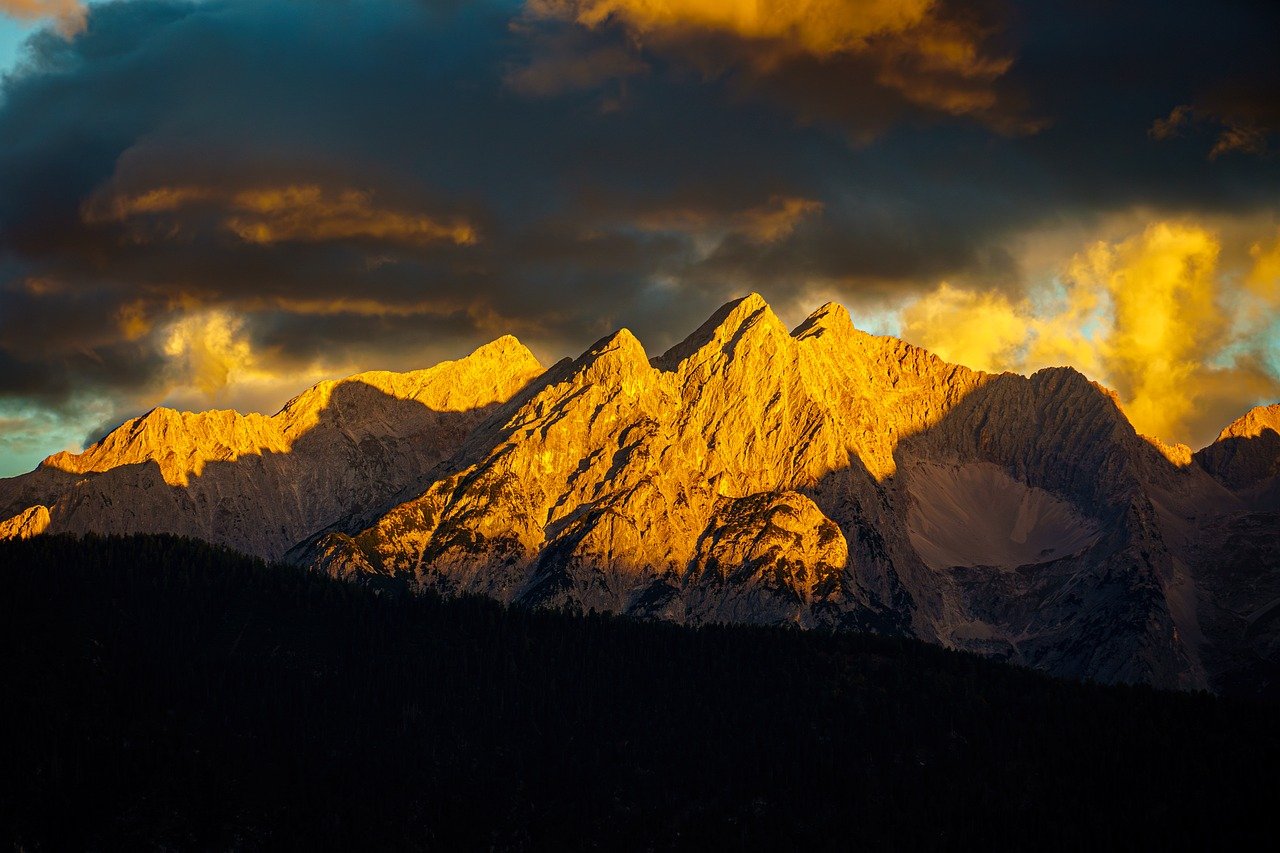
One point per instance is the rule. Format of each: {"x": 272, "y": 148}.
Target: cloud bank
{"x": 1155, "y": 316}
{"x": 214, "y": 203}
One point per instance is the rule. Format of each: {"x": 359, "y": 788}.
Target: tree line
{"x": 163, "y": 692}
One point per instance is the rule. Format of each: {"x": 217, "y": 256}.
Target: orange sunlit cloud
{"x": 208, "y": 349}
{"x": 929, "y": 60}
{"x": 133, "y": 321}
{"x": 820, "y": 27}
{"x": 210, "y": 357}
{"x": 293, "y": 213}
{"x": 309, "y": 214}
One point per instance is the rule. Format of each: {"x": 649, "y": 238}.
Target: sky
{"x": 216, "y": 204}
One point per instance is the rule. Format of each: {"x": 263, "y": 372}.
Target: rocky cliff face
{"x": 1246, "y": 455}
{"x": 1235, "y": 552}
{"x": 30, "y": 522}
{"x": 339, "y": 452}
{"x": 816, "y": 477}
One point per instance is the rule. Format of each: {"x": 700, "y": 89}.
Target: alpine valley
{"x": 821, "y": 477}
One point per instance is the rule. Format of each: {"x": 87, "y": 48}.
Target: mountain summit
{"x": 821, "y": 477}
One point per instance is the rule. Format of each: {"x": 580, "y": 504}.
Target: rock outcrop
{"x": 819, "y": 477}
{"x": 30, "y": 522}
{"x": 1247, "y": 453}
{"x": 1234, "y": 553}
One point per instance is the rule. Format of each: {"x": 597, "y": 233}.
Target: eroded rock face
{"x": 768, "y": 557}
{"x": 752, "y": 474}
{"x": 1234, "y": 553}
{"x": 817, "y": 477}
{"x": 597, "y": 489}
{"x": 341, "y": 451}
{"x": 1247, "y": 453}
{"x": 30, "y": 522}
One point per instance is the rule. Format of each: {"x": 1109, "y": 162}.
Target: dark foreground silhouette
{"x": 160, "y": 692}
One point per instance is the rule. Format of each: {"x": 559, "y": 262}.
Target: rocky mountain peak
{"x": 742, "y": 322}
{"x": 180, "y": 443}
{"x": 183, "y": 443}
{"x": 619, "y": 354}
{"x": 263, "y": 484}
{"x": 491, "y": 373}
{"x": 1253, "y": 423}
{"x": 830, "y": 319}
{"x": 819, "y": 477}
{"x": 1246, "y": 455}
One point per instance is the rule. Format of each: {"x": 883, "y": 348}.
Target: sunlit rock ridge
{"x": 820, "y": 477}
{"x": 337, "y": 452}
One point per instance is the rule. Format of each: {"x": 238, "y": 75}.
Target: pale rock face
{"x": 798, "y": 459}
{"x": 821, "y": 477}
{"x": 619, "y": 463}
{"x": 30, "y": 522}
{"x": 338, "y": 451}
{"x": 771, "y": 557}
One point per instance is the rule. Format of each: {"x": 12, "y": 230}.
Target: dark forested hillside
{"x": 164, "y": 693}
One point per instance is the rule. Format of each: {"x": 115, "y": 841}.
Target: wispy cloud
{"x": 291, "y": 213}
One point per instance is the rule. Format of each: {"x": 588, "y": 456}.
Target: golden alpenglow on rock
{"x": 821, "y": 477}
{"x": 24, "y": 525}
{"x": 262, "y": 484}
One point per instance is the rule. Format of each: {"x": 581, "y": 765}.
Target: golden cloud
{"x": 1151, "y": 316}
{"x": 819, "y": 27}
{"x": 210, "y": 358}
{"x": 911, "y": 47}
{"x": 776, "y": 220}
{"x": 1171, "y": 125}
{"x": 159, "y": 200}
{"x": 1244, "y": 138}
{"x": 1167, "y": 321}
{"x": 308, "y": 214}
{"x": 979, "y": 330}
{"x": 208, "y": 350}
{"x": 293, "y": 213}
{"x": 1264, "y": 278}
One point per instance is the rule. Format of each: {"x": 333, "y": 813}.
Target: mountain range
{"x": 821, "y": 477}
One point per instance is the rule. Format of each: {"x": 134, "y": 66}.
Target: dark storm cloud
{"x": 863, "y": 64}
{"x": 359, "y": 178}
{"x": 1109, "y": 73}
